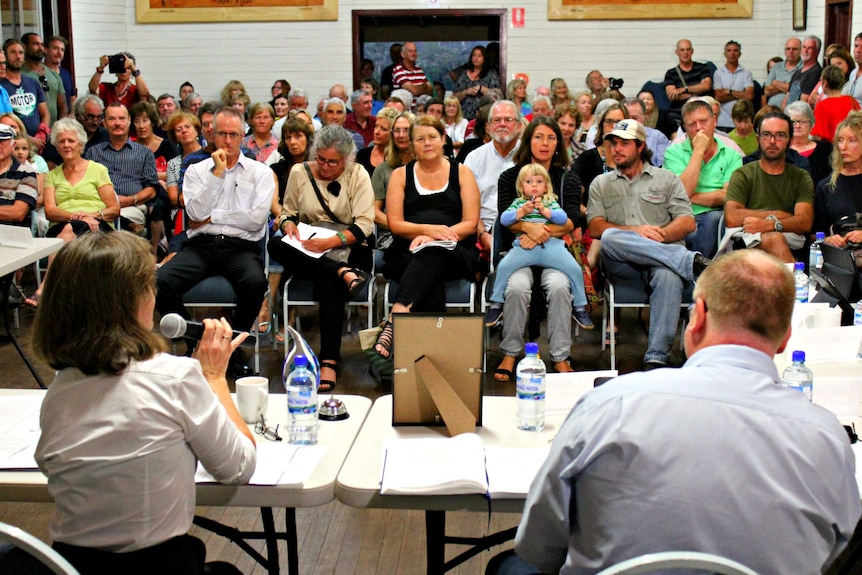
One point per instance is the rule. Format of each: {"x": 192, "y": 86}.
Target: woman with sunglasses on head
{"x": 123, "y": 423}
{"x": 330, "y": 191}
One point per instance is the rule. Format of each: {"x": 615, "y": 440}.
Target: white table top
{"x": 12, "y": 259}
{"x": 359, "y": 480}
{"x": 318, "y": 489}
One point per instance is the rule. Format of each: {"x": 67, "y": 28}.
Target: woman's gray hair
{"x": 68, "y": 125}
{"x": 334, "y": 137}
{"x": 802, "y": 109}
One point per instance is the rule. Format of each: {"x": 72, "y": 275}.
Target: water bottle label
{"x": 857, "y": 316}
{"x": 802, "y": 293}
{"x": 530, "y": 388}
{"x": 819, "y": 262}
{"x": 302, "y": 402}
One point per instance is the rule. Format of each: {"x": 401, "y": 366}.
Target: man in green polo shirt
{"x": 704, "y": 164}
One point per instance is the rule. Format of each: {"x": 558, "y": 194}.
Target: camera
{"x": 615, "y": 83}
{"x": 117, "y": 63}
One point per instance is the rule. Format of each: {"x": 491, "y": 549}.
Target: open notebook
{"x": 458, "y": 465}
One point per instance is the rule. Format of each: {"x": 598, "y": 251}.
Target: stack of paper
{"x": 278, "y": 463}
{"x": 19, "y": 431}
{"x": 445, "y": 244}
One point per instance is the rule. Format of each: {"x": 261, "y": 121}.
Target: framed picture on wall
{"x": 800, "y": 14}
{"x": 647, "y": 9}
{"x": 169, "y": 11}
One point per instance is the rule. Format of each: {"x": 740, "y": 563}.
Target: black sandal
{"x": 327, "y": 385}
{"x": 384, "y": 340}
{"x": 358, "y": 283}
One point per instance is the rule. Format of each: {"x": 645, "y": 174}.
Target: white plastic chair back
{"x": 654, "y": 562}
{"x": 38, "y": 549}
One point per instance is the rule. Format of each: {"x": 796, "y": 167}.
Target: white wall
{"x": 314, "y": 55}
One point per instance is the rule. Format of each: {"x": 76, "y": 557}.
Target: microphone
{"x": 174, "y": 326}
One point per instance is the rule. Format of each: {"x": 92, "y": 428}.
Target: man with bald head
{"x": 408, "y": 75}
{"x": 778, "y": 81}
{"x": 695, "y": 449}
{"x": 685, "y": 80}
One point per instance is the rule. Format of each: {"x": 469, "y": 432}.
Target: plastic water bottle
{"x": 301, "y": 403}
{"x": 801, "y": 282}
{"x": 797, "y": 376}
{"x": 857, "y": 320}
{"x": 530, "y": 390}
{"x": 815, "y": 254}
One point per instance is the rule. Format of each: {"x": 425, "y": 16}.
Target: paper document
{"x": 434, "y": 466}
{"x": 511, "y": 470}
{"x": 19, "y": 431}
{"x": 15, "y": 236}
{"x": 445, "y": 244}
{"x": 278, "y": 463}
{"x": 306, "y": 231}
{"x": 563, "y": 390}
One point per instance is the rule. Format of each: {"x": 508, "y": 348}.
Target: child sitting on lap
{"x": 536, "y": 203}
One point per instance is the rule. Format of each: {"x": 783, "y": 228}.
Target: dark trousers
{"x": 183, "y": 555}
{"x": 422, "y": 281}
{"x": 239, "y": 261}
{"x": 329, "y": 289}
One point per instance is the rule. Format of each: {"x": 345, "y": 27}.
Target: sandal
{"x": 33, "y": 300}
{"x": 384, "y": 341}
{"x": 327, "y": 385}
{"x": 502, "y": 374}
{"x": 264, "y": 327}
{"x": 608, "y": 337}
{"x": 356, "y": 284}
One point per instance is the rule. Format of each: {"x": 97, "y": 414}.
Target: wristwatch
{"x": 776, "y": 223}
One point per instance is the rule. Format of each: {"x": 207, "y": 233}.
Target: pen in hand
{"x": 311, "y": 236}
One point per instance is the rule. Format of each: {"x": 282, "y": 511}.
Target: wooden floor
{"x": 335, "y": 538}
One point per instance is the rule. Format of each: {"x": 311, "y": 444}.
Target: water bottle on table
{"x": 530, "y": 390}
{"x": 301, "y": 386}
{"x": 815, "y": 260}
{"x": 797, "y": 376}
{"x": 801, "y": 281}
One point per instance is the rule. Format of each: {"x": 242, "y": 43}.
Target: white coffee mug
{"x": 252, "y": 397}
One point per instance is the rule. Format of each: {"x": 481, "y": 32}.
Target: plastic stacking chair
{"x": 39, "y": 558}
{"x": 654, "y": 562}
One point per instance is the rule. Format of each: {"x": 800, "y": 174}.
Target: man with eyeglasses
{"x": 227, "y": 197}
{"x": 770, "y": 203}
{"x": 89, "y": 111}
{"x": 715, "y": 457}
{"x": 49, "y": 80}
{"x": 704, "y": 164}
{"x": 26, "y": 95}
{"x": 490, "y": 160}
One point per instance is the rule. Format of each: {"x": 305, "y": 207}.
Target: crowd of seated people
{"x": 221, "y": 182}
{"x": 163, "y": 138}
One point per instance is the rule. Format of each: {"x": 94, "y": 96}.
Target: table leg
{"x": 435, "y": 541}
{"x": 292, "y": 544}
{"x": 5, "y": 284}
{"x": 271, "y": 542}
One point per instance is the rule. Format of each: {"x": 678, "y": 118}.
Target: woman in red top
{"x": 122, "y": 90}
{"x": 833, "y": 107}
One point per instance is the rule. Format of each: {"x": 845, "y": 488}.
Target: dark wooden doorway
{"x": 428, "y": 25}
{"x": 839, "y": 18}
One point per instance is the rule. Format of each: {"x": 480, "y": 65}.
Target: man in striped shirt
{"x": 408, "y": 75}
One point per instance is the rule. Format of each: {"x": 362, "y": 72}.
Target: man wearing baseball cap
{"x": 18, "y": 186}
{"x": 642, "y": 214}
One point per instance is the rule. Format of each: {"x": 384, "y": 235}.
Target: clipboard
{"x": 437, "y": 377}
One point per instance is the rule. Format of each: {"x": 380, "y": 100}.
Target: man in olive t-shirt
{"x": 770, "y": 197}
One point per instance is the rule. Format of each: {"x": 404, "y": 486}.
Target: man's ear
{"x": 783, "y": 344}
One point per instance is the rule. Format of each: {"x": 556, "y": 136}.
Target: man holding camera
{"x": 601, "y": 87}
{"x": 123, "y": 91}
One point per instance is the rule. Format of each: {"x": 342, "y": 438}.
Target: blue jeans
{"x": 507, "y": 563}
{"x": 664, "y": 269}
{"x": 554, "y": 256}
{"x": 705, "y": 238}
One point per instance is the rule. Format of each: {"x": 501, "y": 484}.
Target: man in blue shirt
{"x": 26, "y": 95}
{"x": 715, "y": 457}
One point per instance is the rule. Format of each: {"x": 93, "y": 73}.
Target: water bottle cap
{"x": 300, "y": 360}
{"x": 532, "y": 348}
{"x": 820, "y": 236}
{"x": 798, "y": 355}
{"x": 799, "y": 266}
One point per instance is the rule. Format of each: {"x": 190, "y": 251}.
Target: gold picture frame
{"x": 648, "y": 9}
{"x": 173, "y": 11}
{"x": 800, "y": 14}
